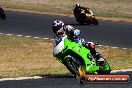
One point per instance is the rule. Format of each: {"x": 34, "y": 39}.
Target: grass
{"x": 20, "y": 56}
{"x": 26, "y": 57}
{"x": 108, "y": 8}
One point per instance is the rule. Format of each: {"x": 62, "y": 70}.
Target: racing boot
{"x": 100, "y": 60}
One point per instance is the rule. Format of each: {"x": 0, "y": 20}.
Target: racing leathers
{"x": 75, "y": 38}
{"x": 77, "y": 11}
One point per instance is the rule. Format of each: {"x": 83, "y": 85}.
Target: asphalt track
{"x": 61, "y": 81}
{"x": 109, "y": 33}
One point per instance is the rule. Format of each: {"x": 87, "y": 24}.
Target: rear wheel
{"x": 80, "y": 19}
{"x": 81, "y": 79}
{"x": 81, "y": 23}
{"x": 3, "y": 16}
{"x": 89, "y": 23}
{"x": 95, "y": 21}
{"x": 104, "y": 69}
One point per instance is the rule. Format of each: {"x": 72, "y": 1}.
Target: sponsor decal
{"x": 107, "y": 78}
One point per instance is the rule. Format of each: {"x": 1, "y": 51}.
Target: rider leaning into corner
{"x": 77, "y": 10}
{"x": 60, "y": 30}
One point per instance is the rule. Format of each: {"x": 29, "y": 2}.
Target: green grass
{"x": 107, "y": 8}
{"x": 21, "y": 56}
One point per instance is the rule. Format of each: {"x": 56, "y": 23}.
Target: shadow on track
{"x": 76, "y": 24}
{"x": 71, "y": 76}
{"x": 123, "y": 73}
{"x": 59, "y": 76}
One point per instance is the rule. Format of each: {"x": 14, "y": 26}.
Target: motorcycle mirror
{"x": 96, "y": 43}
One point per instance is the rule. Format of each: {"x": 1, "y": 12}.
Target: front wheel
{"x": 72, "y": 65}
{"x": 95, "y": 21}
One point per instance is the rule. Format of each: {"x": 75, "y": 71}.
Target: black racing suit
{"x": 77, "y": 10}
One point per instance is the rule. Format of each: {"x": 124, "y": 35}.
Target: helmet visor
{"x": 56, "y": 28}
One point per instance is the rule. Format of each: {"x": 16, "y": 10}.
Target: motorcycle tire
{"x": 3, "y": 16}
{"x": 81, "y": 23}
{"x": 81, "y": 80}
{"x": 102, "y": 69}
{"x": 89, "y": 23}
{"x": 95, "y": 21}
{"x": 70, "y": 66}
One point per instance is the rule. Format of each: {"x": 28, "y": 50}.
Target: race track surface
{"x": 111, "y": 33}
{"x": 62, "y": 81}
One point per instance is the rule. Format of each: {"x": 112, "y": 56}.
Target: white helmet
{"x": 77, "y": 5}
{"x": 58, "y": 27}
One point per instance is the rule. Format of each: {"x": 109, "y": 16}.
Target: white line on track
{"x": 36, "y": 37}
{"x": 20, "y": 78}
{"x": 46, "y": 38}
{"x": 19, "y": 35}
{"x": 28, "y": 36}
{"x": 39, "y": 77}
{"x": 9, "y": 34}
{"x": 99, "y": 45}
{"x": 51, "y": 39}
{"x": 122, "y": 70}
{"x": 106, "y": 46}
{"x": 124, "y": 48}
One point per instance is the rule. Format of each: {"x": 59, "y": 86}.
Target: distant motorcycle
{"x": 2, "y": 14}
{"x": 86, "y": 16}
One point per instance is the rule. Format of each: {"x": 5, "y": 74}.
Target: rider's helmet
{"x": 77, "y": 5}
{"x": 77, "y": 8}
{"x": 58, "y": 27}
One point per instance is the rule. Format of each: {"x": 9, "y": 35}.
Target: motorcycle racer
{"x": 77, "y": 10}
{"x": 84, "y": 15}
{"x": 60, "y": 30}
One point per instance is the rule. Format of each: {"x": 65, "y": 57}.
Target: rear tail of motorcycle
{"x": 104, "y": 68}
{"x": 2, "y": 14}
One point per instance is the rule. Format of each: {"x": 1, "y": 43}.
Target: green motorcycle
{"x": 74, "y": 56}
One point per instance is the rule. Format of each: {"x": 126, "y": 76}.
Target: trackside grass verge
{"x": 21, "y": 56}
{"x": 107, "y": 8}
